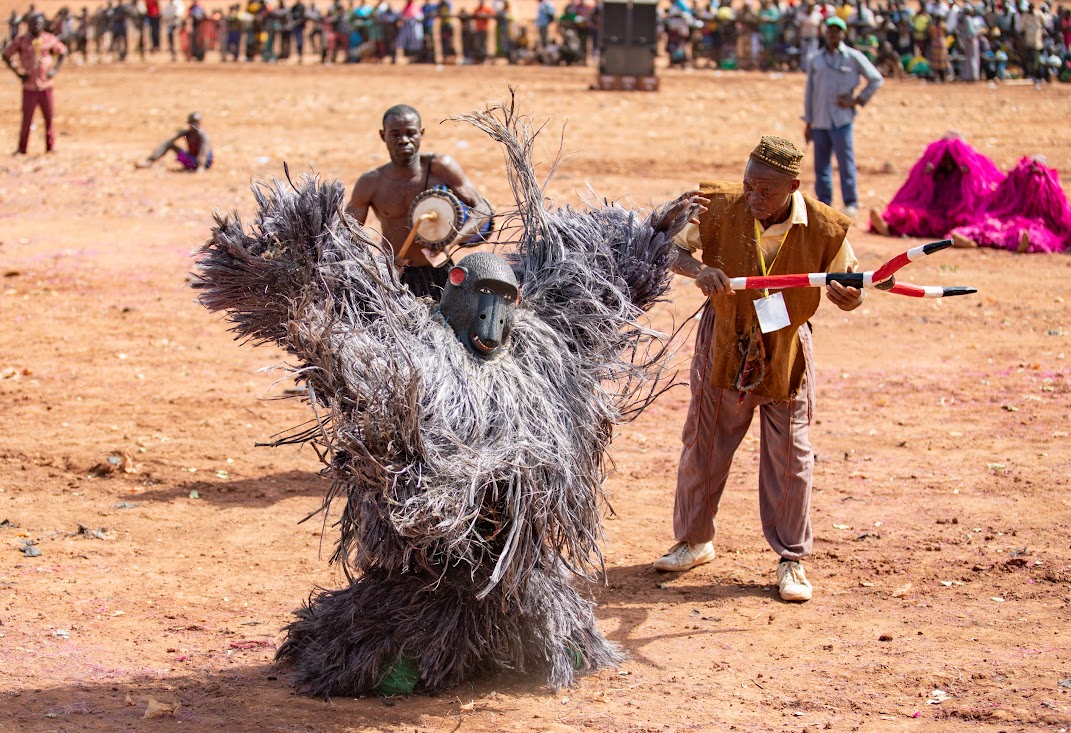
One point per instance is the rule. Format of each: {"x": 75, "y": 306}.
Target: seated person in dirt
{"x": 197, "y": 154}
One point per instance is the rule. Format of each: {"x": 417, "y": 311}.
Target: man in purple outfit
{"x": 196, "y": 157}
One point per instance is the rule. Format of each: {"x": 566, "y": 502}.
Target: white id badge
{"x": 772, "y": 313}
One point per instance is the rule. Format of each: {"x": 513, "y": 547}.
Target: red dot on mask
{"x": 457, "y": 275}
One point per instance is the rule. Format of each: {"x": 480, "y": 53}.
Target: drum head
{"x": 450, "y": 215}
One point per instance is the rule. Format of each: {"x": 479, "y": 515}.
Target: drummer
{"x": 389, "y": 190}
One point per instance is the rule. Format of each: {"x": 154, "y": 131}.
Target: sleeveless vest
{"x": 727, "y": 232}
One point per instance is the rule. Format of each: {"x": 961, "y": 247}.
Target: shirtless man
{"x": 389, "y": 190}
{"x": 196, "y": 157}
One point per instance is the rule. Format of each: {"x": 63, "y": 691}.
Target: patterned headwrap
{"x": 778, "y": 153}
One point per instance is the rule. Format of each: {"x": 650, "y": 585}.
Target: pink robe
{"x": 943, "y": 190}
{"x": 1028, "y": 212}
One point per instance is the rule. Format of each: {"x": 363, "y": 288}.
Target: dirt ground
{"x": 170, "y": 553}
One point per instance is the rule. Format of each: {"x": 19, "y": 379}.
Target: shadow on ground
{"x": 632, "y": 593}
{"x": 253, "y": 492}
{"x": 240, "y": 699}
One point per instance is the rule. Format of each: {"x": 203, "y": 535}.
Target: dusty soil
{"x": 941, "y": 507}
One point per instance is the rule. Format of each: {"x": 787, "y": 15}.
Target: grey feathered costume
{"x": 471, "y": 488}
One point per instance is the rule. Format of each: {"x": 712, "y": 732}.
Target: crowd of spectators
{"x": 940, "y": 40}
{"x": 339, "y": 32}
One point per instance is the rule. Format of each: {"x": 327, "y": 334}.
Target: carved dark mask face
{"x": 479, "y": 303}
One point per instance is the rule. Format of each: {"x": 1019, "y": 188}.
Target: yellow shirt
{"x": 688, "y": 238}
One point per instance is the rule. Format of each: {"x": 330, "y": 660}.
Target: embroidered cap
{"x": 778, "y": 153}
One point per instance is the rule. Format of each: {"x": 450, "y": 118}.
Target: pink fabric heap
{"x": 943, "y": 190}
{"x": 1028, "y": 212}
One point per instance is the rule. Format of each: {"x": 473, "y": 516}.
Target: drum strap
{"x": 427, "y": 176}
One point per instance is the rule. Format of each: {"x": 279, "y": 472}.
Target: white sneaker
{"x": 851, "y": 211}
{"x": 685, "y": 556}
{"x": 792, "y": 582}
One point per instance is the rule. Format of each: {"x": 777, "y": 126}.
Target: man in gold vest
{"x": 753, "y": 351}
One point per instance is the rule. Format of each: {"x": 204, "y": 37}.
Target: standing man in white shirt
{"x": 173, "y": 15}
{"x": 829, "y": 111}
{"x": 809, "y": 19}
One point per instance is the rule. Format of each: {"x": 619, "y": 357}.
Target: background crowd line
{"x": 941, "y": 40}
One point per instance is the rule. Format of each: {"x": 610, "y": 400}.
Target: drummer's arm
{"x": 361, "y": 198}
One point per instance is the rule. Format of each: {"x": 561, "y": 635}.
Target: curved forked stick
{"x": 880, "y": 279}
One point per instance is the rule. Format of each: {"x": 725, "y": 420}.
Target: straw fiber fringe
{"x": 1030, "y": 202}
{"x": 944, "y": 190}
{"x": 345, "y": 640}
{"x": 471, "y": 490}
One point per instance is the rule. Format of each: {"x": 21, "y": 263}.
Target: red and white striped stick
{"x": 880, "y": 279}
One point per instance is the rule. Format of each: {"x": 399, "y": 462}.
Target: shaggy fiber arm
{"x": 313, "y": 281}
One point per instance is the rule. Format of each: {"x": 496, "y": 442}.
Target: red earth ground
{"x": 941, "y": 506}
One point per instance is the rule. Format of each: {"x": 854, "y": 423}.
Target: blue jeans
{"x": 839, "y": 141}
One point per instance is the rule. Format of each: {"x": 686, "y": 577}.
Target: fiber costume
{"x": 468, "y": 440}
{"x": 1027, "y": 212}
{"x": 944, "y": 190}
